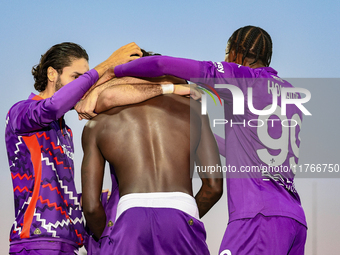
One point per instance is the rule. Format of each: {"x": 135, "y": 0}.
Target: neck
{"x": 48, "y": 92}
{"x": 256, "y": 65}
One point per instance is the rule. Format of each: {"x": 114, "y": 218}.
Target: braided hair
{"x": 252, "y": 42}
{"x": 58, "y": 57}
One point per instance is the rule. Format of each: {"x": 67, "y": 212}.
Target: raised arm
{"x": 92, "y": 173}
{"x": 161, "y": 65}
{"x": 207, "y": 155}
{"x": 205, "y": 73}
{"x": 129, "y": 90}
{"x": 123, "y": 55}
{"x": 31, "y": 115}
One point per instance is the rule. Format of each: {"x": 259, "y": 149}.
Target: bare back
{"x": 149, "y": 144}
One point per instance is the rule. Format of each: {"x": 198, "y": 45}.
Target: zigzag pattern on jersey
{"x": 55, "y": 179}
{"x": 58, "y": 224}
{"x": 63, "y": 224}
{"x": 57, "y": 190}
{"x": 64, "y": 187}
{"x": 58, "y": 152}
{"x": 22, "y": 189}
{"x": 15, "y": 157}
{"x": 52, "y": 154}
{"x": 21, "y": 176}
{"x": 19, "y": 166}
{"x": 61, "y": 207}
{"x": 19, "y": 161}
{"x": 55, "y": 148}
{"x": 75, "y": 205}
{"x": 21, "y": 200}
{"x": 15, "y": 228}
{"x": 49, "y": 226}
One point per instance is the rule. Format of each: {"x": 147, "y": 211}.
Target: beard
{"x": 58, "y": 84}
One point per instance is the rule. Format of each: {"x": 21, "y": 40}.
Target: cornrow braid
{"x": 252, "y": 42}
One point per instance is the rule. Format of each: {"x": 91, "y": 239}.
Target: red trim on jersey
{"x": 34, "y": 148}
{"x": 61, "y": 125}
{"x": 37, "y": 98}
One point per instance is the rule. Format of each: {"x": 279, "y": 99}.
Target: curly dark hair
{"x": 252, "y": 42}
{"x": 58, "y": 57}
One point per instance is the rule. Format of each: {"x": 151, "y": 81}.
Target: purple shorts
{"x": 155, "y": 229}
{"x": 264, "y": 235}
{"x": 110, "y": 207}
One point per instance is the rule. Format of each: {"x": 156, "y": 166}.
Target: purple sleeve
{"x": 155, "y": 66}
{"x": 31, "y": 115}
{"x": 204, "y": 73}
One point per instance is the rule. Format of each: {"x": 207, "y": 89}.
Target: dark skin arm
{"x": 92, "y": 173}
{"x": 212, "y": 182}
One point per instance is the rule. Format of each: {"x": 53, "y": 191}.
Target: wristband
{"x": 167, "y": 88}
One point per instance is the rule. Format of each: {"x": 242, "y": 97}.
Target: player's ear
{"x": 231, "y": 56}
{"x": 52, "y": 74}
{"x": 238, "y": 59}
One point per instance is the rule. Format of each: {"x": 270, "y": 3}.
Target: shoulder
{"x": 97, "y": 125}
{"x": 19, "y": 106}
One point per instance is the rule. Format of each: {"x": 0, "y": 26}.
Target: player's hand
{"x": 191, "y": 90}
{"x": 108, "y": 75}
{"x": 85, "y": 107}
{"x": 108, "y": 193}
{"x": 125, "y": 54}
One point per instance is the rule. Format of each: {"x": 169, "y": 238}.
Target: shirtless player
{"x": 152, "y": 149}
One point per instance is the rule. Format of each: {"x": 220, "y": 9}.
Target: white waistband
{"x": 176, "y": 200}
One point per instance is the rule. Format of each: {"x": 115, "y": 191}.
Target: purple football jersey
{"x": 259, "y": 148}
{"x": 264, "y": 235}
{"x": 40, "y": 153}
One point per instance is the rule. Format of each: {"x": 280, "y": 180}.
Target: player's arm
{"x": 125, "y": 95}
{"x": 161, "y": 65}
{"x": 92, "y": 173}
{"x": 102, "y": 83}
{"x": 123, "y": 55}
{"x": 32, "y": 115}
{"x": 206, "y": 73}
{"x": 132, "y": 94}
{"x": 116, "y": 92}
{"x": 212, "y": 182}
{"x": 87, "y": 105}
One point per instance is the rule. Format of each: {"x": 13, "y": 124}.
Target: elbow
{"x": 91, "y": 209}
{"x": 105, "y": 103}
{"x": 217, "y": 188}
{"x": 161, "y": 64}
